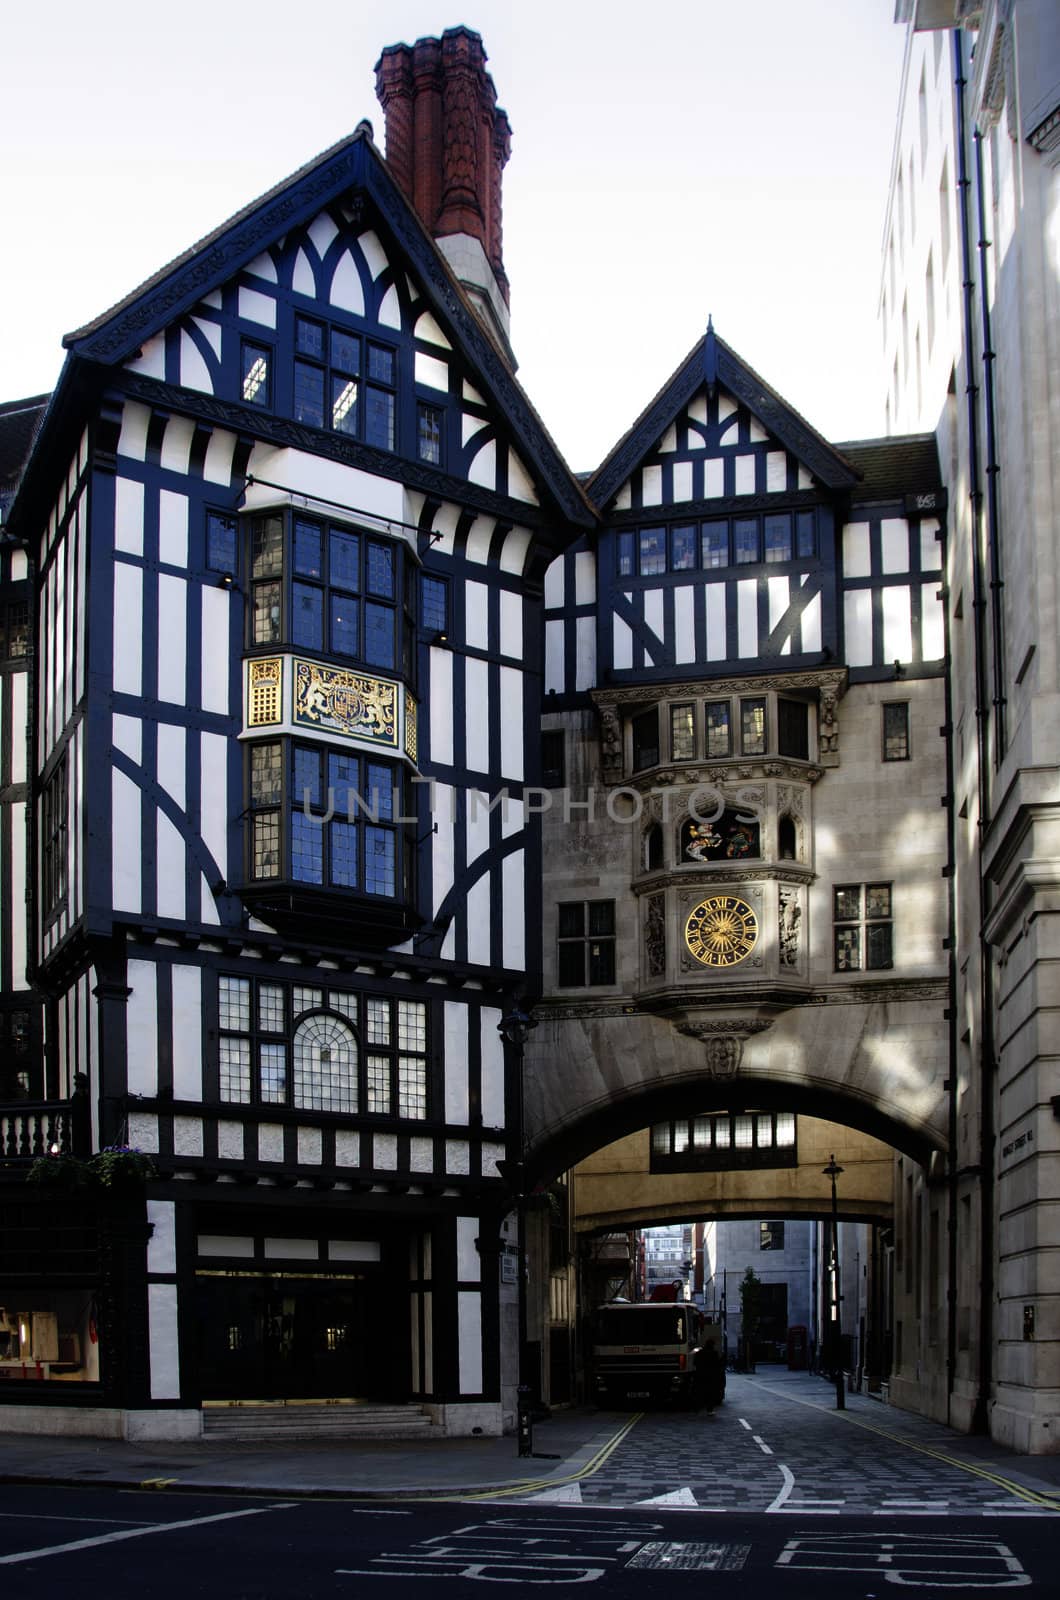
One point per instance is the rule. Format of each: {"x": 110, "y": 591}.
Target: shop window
{"x": 863, "y": 927}
{"x": 321, "y": 1049}
{"x": 586, "y": 944}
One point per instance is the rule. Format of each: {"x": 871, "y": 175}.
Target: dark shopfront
{"x": 72, "y": 1316}
{"x": 313, "y": 1315}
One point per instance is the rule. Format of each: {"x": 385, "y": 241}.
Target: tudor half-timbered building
{"x": 288, "y": 518}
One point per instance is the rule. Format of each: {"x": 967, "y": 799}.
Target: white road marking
{"x": 676, "y": 1497}
{"x": 352, "y": 1512}
{"x": 568, "y": 1494}
{"x": 784, "y": 1493}
{"x": 760, "y": 1442}
{"x": 49, "y": 1516}
{"x": 744, "y": 1423}
{"x": 137, "y": 1533}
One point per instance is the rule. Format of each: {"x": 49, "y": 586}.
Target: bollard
{"x": 525, "y": 1420}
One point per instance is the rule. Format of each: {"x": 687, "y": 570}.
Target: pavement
{"x": 570, "y": 1445}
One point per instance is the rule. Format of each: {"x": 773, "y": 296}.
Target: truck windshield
{"x": 640, "y": 1325}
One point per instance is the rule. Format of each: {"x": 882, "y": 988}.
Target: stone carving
{"x": 655, "y": 936}
{"x": 790, "y": 918}
{"x": 828, "y": 727}
{"x": 723, "y": 1056}
{"x": 610, "y": 745}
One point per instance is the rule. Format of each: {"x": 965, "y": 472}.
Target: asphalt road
{"x": 106, "y": 1542}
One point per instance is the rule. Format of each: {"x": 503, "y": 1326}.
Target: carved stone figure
{"x": 655, "y": 936}
{"x": 790, "y": 918}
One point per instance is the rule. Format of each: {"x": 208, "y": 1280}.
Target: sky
{"x": 669, "y": 162}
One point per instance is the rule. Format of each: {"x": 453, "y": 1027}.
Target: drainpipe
{"x": 980, "y": 1421}
{"x": 992, "y": 470}
{"x": 950, "y": 874}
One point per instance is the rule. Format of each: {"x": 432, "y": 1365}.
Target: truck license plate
{"x": 638, "y": 1394}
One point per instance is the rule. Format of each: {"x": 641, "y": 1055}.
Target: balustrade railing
{"x": 32, "y": 1128}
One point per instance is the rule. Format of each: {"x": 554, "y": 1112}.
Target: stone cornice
{"x": 833, "y": 678}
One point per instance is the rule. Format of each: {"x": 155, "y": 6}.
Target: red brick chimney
{"x": 447, "y": 142}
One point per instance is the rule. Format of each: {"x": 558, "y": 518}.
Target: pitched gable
{"x": 714, "y": 431}
{"x": 326, "y": 306}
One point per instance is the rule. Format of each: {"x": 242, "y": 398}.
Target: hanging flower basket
{"x": 119, "y": 1166}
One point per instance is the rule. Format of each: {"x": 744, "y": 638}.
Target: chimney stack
{"x": 447, "y": 142}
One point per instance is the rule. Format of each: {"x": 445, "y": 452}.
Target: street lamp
{"x": 833, "y": 1171}
{"x": 515, "y": 1029}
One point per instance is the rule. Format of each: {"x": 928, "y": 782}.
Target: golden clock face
{"x": 721, "y": 931}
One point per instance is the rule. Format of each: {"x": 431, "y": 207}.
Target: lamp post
{"x": 515, "y": 1029}
{"x": 833, "y": 1171}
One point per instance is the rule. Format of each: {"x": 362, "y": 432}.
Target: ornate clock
{"x": 721, "y": 931}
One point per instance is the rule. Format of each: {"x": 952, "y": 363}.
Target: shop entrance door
{"x": 280, "y": 1337}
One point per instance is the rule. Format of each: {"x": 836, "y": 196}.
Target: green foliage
{"x": 750, "y": 1302}
{"x": 118, "y": 1166}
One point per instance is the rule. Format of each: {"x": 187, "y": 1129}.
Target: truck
{"x": 652, "y": 1352}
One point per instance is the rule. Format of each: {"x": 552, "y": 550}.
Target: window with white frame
{"x": 321, "y": 1049}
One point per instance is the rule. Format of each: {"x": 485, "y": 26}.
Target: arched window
{"x": 325, "y": 1064}
{"x": 653, "y": 848}
{"x": 787, "y": 840}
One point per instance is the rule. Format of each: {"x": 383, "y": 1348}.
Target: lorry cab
{"x": 646, "y": 1352}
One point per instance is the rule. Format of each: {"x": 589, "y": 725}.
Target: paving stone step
{"x": 315, "y": 1422}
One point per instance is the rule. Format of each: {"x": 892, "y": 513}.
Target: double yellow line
{"x": 536, "y": 1485}
{"x": 1031, "y": 1496}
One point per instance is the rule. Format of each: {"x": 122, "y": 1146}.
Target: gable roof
{"x": 353, "y": 163}
{"x": 713, "y": 362}
{"x": 20, "y": 422}
{"x": 894, "y": 467}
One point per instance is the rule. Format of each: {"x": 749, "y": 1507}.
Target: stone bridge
{"x": 876, "y": 1064}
